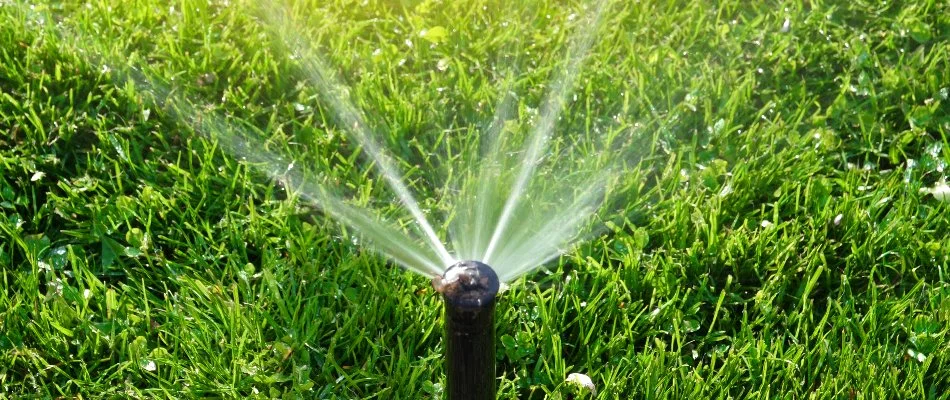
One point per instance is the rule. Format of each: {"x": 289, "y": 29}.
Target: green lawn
{"x": 768, "y": 236}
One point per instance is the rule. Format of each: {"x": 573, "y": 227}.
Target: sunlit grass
{"x": 770, "y": 238}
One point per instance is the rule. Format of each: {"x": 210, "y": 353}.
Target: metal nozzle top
{"x": 469, "y": 284}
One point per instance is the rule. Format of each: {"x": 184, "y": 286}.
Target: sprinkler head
{"x": 469, "y": 289}
{"x": 468, "y": 284}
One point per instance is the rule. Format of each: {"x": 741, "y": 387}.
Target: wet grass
{"x": 770, "y": 240}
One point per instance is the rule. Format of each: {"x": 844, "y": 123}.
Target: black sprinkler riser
{"x": 469, "y": 289}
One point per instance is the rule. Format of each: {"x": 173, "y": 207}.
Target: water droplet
{"x": 442, "y": 65}
{"x": 582, "y": 381}
{"x": 148, "y": 365}
{"x": 934, "y": 149}
{"x": 726, "y": 190}
{"x": 908, "y": 171}
{"x": 940, "y": 192}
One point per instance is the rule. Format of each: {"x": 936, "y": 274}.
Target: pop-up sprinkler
{"x": 469, "y": 289}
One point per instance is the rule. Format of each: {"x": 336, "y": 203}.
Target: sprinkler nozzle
{"x": 469, "y": 289}
{"x": 468, "y": 284}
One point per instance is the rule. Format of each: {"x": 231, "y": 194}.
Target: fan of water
{"x": 519, "y": 203}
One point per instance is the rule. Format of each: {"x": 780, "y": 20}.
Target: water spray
{"x": 469, "y": 289}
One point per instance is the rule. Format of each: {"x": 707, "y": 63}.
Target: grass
{"x": 771, "y": 240}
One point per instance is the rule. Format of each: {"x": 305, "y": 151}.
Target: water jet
{"x": 469, "y": 290}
